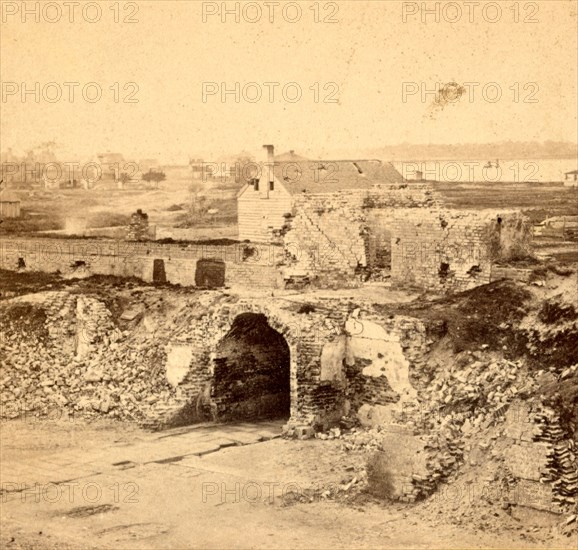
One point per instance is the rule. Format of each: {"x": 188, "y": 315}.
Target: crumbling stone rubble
{"x": 73, "y": 362}
{"x": 138, "y": 227}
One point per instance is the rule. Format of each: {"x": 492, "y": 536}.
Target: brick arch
{"x": 311, "y": 399}
{"x": 289, "y": 329}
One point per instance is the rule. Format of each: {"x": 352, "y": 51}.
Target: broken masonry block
{"x": 304, "y": 432}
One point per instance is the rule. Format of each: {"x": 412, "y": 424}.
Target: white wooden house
{"x": 571, "y": 179}
{"x": 9, "y": 205}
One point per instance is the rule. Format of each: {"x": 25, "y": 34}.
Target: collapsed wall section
{"x": 325, "y": 242}
{"x": 398, "y": 230}
{"x": 433, "y": 416}
{"x": 365, "y": 366}
{"x": 385, "y": 357}
{"x": 455, "y": 250}
{"x": 333, "y": 236}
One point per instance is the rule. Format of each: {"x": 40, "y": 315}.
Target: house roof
{"x": 290, "y": 156}
{"x": 111, "y": 157}
{"x": 329, "y": 176}
{"x": 8, "y": 196}
{"x": 573, "y": 172}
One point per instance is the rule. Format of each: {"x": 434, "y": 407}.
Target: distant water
{"x": 519, "y": 171}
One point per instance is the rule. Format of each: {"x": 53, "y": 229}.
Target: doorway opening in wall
{"x": 159, "y": 274}
{"x": 252, "y": 372}
{"x": 210, "y": 273}
{"x": 383, "y": 252}
{"x": 378, "y": 254}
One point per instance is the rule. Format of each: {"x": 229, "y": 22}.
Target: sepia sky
{"x": 367, "y": 55}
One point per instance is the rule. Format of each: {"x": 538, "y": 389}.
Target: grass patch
{"x": 486, "y": 315}
{"x": 554, "y": 312}
{"x": 18, "y": 283}
{"x": 31, "y": 223}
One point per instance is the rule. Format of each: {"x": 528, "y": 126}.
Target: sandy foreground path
{"x": 71, "y": 486}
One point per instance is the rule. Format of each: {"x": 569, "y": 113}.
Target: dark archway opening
{"x": 252, "y": 372}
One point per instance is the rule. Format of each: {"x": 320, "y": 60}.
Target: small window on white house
{"x": 256, "y": 184}
{"x": 271, "y": 186}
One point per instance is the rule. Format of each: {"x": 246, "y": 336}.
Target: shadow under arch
{"x": 251, "y": 371}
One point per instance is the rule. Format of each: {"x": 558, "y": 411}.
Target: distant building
{"x": 111, "y": 166}
{"x": 416, "y": 176}
{"x": 9, "y": 205}
{"x": 22, "y": 174}
{"x": 571, "y": 178}
{"x": 196, "y": 168}
{"x": 146, "y": 165}
{"x": 111, "y": 158}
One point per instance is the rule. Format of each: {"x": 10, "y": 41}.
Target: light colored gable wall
{"x": 257, "y": 212}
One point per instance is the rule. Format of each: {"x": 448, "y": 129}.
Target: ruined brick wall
{"x": 137, "y": 229}
{"x": 337, "y": 239}
{"x": 312, "y": 400}
{"x": 385, "y": 359}
{"x": 379, "y": 223}
{"x": 333, "y": 235}
{"x": 137, "y": 259}
{"x": 325, "y": 242}
{"x": 539, "y": 457}
{"x": 448, "y": 250}
{"x": 180, "y": 345}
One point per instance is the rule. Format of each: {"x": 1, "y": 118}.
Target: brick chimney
{"x": 268, "y": 172}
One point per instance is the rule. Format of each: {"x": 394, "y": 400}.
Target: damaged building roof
{"x": 328, "y": 176}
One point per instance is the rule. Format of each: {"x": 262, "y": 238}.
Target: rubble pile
{"x": 360, "y": 440}
{"x": 463, "y": 402}
{"x": 77, "y": 363}
{"x": 461, "y": 416}
{"x": 476, "y": 391}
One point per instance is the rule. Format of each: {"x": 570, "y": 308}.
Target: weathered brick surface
{"x": 334, "y": 239}
{"x": 197, "y": 328}
{"x": 136, "y": 259}
{"x": 454, "y": 250}
{"x": 333, "y": 235}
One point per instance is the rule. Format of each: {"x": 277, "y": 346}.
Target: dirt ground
{"x": 267, "y": 494}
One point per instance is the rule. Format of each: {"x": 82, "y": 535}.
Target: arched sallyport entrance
{"x": 251, "y": 378}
